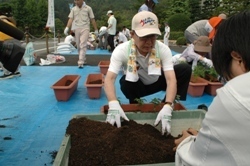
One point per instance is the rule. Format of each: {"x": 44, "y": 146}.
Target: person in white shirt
{"x": 224, "y": 135}
{"x": 148, "y": 69}
{"x": 79, "y": 20}
{"x": 199, "y": 50}
{"x": 167, "y": 34}
{"x": 120, "y": 38}
{"x": 126, "y": 32}
{"x": 70, "y": 39}
{"x": 111, "y": 29}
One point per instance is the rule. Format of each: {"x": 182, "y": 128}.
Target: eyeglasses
{"x": 148, "y": 37}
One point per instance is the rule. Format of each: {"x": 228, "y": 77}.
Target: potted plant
{"x": 197, "y": 84}
{"x": 104, "y": 65}
{"x": 94, "y": 83}
{"x": 65, "y": 87}
{"x": 154, "y": 106}
{"x": 210, "y": 76}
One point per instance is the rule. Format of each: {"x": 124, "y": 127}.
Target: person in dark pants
{"x": 139, "y": 89}
{"x": 148, "y": 69}
{"x": 111, "y": 29}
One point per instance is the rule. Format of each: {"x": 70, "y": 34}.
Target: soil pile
{"x": 99, "y": 143}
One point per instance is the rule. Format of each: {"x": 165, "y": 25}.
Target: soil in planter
{"x": 99, "y": 143}
{"x": 95, "y": 82}
{"x": 68, "y": 82}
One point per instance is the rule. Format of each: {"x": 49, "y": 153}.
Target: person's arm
{"x": 110, "y": 23}
{"x": 69, "y": 24}
{"x": 94, "y": 24}
{"x": 109, "y": 86}
{"x": 171, "y": 82}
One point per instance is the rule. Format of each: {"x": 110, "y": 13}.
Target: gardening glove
{"x": 115, "y": 112}
{"x": 66, "y": 31}
{"x": 208, "y": 62}
{"x": 165, "y": 117}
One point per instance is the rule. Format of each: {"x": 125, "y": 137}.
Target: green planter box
{"x": 181, "y": 120}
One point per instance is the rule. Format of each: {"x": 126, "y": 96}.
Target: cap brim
{"x": 147, "y": 31}
{"x": 211, "y": 34}
{"x": 202, "y": 48}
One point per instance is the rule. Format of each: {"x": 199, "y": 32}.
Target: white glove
{"x": 96, "y": 33}
{"x": 66, "y": 31}
{"x": 208, "y": 62}
{"x": 165, "y": 117}
{"x": 115, "y": 112}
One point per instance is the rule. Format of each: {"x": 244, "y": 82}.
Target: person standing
{"x": 80, "y": 16}
{"x": 148, "y": 5}
{"x": 111, "y": 29}
{"x": 167, "y": 34}
{"x": 148, "y": 69}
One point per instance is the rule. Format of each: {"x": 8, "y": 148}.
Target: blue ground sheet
{"x": 33, "y": 122}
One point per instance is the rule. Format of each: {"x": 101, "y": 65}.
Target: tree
{"x": 208, "y": 8}
{"x": 195, "y": 10}
{"x": 42, "y": 9}
{"x": 19, "y": 12}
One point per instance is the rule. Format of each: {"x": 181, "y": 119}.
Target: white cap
{"x": 145, "y": 23}
{"x": 109, "y": 12}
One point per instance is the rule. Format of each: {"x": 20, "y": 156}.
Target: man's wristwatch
{"x": 170, "y": 103}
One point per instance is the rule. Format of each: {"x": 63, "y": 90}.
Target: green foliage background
{"x": 33, "y": 13}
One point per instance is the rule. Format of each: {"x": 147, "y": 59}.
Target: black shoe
{"x": 6, "y": 76}
{"x": 202, "y": 106}
{"x": 16, "y": 74}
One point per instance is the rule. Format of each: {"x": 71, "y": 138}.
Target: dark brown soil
{"x": 68, "y": 82}
{"x": 99, "y": 143}
{"x": 95, "y": 82}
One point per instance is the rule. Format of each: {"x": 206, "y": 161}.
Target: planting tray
{"x": 181, "y": 120}
{"x": 65, "y": 87}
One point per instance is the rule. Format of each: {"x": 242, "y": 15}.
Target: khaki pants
{"x": 81, "y": 36}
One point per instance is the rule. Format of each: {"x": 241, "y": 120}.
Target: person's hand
{"x": 96, "y": 32}
{"x": 66, "y": 31}
{"x": 185, "y": 134}
{"x": 165, "y": 117}
{"x": 115, "y": 112}
{"x": 208, "y": 62}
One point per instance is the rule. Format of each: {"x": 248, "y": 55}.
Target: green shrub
{"x": 179, "y": 22}
{"x": 175, "y": 35}
{"x": 181, "y": 41}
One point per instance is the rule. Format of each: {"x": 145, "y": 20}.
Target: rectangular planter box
{"x": 104, "y": 65}
{"x": 147, "y": 107}
{"x": 65, "y": 87}
{"x": 196, "y": 86}
{"x": 181, "y": 120}
{"x": 94, "y": 83}
{"x": 212, "y": 87}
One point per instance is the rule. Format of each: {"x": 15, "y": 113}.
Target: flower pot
{"x": 94, "y": 83}
{"x": 212, "y": 87}
{"x": 146, "y": 107}
{"x": 196, "y": 86}
{"x": 104, "y": 65}
{"x": 65, "y": 87}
